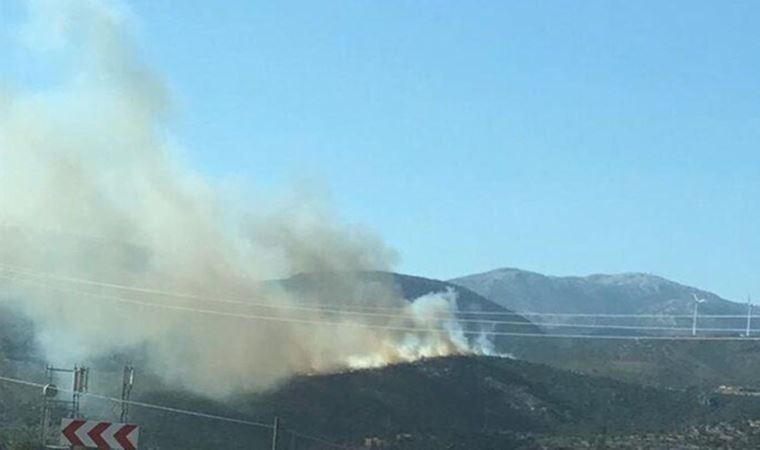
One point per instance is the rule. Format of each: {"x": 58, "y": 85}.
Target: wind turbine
{"x": 749, "y": 316}
{"x": 697, "y": 301}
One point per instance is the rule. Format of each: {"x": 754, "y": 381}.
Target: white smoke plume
{"x": 90, "y": 188}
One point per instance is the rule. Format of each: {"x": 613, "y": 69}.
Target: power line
{"x": 384, "y": 327}
{"x": 186, "y": 412}
{"x": 458, "y": 320}
{"x": 182, "y": 411}
{"x": 361, "y": 310}
{"x": 241, "y": 316}
{"x": 490, "y": 322}
{"x": 316, "y": 439}
{"x": 21, "y": 382}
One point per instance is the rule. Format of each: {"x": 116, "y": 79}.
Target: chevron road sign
{"x": 100, "y": 435}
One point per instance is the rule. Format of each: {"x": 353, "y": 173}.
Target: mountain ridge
{"x": 629, "y": 292}
{"x": 411, "y": 287}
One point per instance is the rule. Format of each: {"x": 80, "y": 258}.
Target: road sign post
{"x": 101, "y": 435}
{"x": 276, "y": 433}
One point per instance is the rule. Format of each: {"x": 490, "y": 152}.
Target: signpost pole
{"x": 275, "y": 432}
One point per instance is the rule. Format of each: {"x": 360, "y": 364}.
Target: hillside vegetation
{"x": 462, "y": 402}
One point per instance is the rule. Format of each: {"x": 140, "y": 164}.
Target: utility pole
{"x": 128, "y": 381}
{"x": 697, "y": 301}
{"x": 81, "y": 380}
{"x": 275, "y": 432}
{"x": 749, "y": 316}
{"x": 51, "y": 405}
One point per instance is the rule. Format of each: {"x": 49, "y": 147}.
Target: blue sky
{"x": 561, "y": 137}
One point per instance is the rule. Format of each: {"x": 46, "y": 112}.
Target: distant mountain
{"x": 628, "y": 293}
{"x": 350, "y": 288}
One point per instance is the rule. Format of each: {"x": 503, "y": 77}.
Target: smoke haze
{"x": 91, "y": 188}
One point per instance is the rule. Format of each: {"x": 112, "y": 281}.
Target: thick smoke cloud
{"x": 90, "y": 188}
